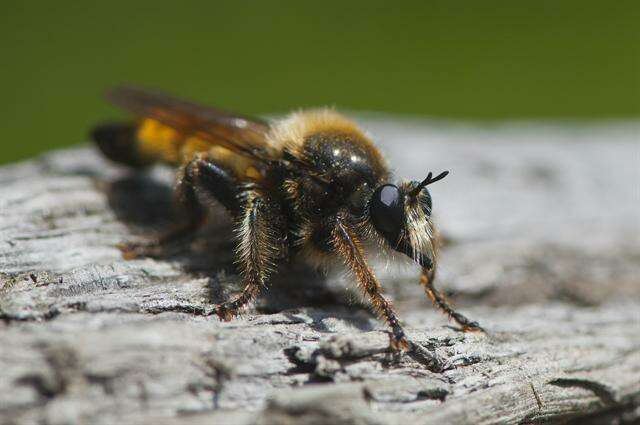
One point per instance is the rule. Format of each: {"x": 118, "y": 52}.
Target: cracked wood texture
{"x": 542, "y": 232}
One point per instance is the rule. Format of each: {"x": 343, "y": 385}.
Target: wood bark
{"x": 542, "y": 231}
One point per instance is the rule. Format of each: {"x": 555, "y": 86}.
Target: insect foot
{"x": 473, "y": 327}
{"x": 427, "y": 358}
{"x": 225, "y": 313}
{"x": 399, "y": 344}
{"x": 133, "y": 250}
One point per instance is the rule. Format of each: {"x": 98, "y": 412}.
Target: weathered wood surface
{"x": 543, "y": 231}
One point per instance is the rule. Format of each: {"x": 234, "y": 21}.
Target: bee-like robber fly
{"x": 312, "y": 184}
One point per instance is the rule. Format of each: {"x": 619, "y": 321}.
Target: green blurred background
{"x": 466, "y": 59}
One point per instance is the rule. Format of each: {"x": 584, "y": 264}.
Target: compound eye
{"x": 387, "y": 211}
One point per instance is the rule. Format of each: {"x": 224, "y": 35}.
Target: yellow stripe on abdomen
{"x": 159, "y": 142}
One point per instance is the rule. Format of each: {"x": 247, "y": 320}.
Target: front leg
{"x": 427, "y": 278}
{"x": 347, "y": 246}
{"x": 262, "y": 234}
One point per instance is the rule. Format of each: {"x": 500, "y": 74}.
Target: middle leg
{"x": 262, "y": 233}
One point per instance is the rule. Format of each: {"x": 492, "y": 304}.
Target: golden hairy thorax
{"x": 292, "y": 132}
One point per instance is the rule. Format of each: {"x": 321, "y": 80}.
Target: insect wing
{"x": 243, "y": 135}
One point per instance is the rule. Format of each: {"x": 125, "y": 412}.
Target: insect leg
{"x": 350, "y": 249}
{"x": 439, "y": 300}
{"x": 206, "y": 176}
{"x": 200, "y": 175}
{"x": 262, "y": 233}
{"x": 209, "y": 177}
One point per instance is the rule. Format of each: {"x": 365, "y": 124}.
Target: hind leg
{"x": 200, "y": 176}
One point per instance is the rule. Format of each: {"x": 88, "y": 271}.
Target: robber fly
{"x": 312, "y": 184}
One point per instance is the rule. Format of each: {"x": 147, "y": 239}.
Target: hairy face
{"x": 418, "y": 237}
{"x": 402, "y": 216}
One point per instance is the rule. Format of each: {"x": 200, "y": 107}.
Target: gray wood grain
{"x": 543, "y": 248}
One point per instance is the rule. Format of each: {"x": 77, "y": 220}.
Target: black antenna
{"x": 427, "y": 182}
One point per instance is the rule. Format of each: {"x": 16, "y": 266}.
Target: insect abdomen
{"x": 144, "y": 143}
{"x": 117, "y": 141}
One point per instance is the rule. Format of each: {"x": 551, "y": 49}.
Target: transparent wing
{"x": 240, "y": 134}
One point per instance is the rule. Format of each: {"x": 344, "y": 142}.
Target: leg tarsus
{"x": 229, "y": 310}
{"x": 225, "y": 313}
{"x": 398, "y": 343}
{"x": 440, "y": 301}
{"x": 157, "y": 247}
{"x": 428, "y": 358}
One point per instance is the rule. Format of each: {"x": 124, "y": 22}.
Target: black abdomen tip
{"x": 117, "y": 141}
